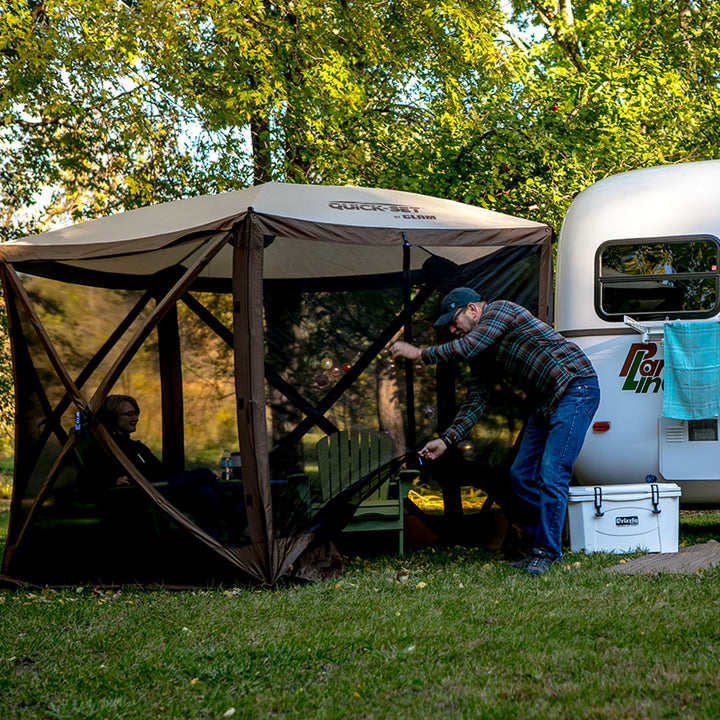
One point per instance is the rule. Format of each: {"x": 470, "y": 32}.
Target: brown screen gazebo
{"x": 268, "y": 278}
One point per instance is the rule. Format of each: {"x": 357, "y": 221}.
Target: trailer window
{"x": 658, "y": 278}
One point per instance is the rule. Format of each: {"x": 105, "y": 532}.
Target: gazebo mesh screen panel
{"x": 328, "y": 369}
{"x": 72, "y": 526}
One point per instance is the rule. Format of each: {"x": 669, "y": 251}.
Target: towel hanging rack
{"x": 649, "y": 331}
{"x": 655, "y": 330}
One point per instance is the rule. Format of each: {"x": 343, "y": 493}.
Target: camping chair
{"x": 345, "y": 458}
{"x": 119, "y": 506}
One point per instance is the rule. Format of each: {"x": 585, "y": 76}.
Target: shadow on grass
{"x": 699, "y": 526}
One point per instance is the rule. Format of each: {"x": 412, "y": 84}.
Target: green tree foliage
{"x": 6, "y": 388}
{"x": 588, "y": 90}
{"x": 115, "y": 105}
{"x": 609, "y": 86}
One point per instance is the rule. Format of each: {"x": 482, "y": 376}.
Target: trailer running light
{"x": 601, "y": 426}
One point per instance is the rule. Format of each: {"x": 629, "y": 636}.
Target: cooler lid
{"x": 631, "y": 491}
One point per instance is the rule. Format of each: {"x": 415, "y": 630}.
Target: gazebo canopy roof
{"x": 310, "y": 231}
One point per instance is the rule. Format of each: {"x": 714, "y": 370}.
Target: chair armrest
{"x": 405, "y": 480}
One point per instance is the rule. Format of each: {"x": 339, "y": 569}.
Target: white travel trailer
{"x": 636, "y": 250}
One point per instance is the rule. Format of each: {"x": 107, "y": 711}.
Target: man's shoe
{"x": 539, "y": 564}
{"x": 522, "y": 564}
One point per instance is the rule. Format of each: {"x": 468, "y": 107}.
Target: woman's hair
{"x": 110, "y": 409}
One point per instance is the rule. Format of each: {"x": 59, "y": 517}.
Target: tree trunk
{"x": 390, "y": 414}
{"x": 260, "y": 139}
{"x": 559, "y": 20}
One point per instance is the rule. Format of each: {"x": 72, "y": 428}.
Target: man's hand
{"x": 402, "y": 349}
{"x": 123, "y": 480}
{"x": 433, "y": 449}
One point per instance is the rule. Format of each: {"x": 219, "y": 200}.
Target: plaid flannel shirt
{"x": 512, "y": 343}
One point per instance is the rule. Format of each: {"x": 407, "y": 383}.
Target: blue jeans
{"x": 542, "y": 469}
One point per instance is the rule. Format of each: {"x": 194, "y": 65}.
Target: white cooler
{"x": 624, "y": 518}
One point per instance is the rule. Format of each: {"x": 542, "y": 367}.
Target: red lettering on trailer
{"x": 640, "y": 371}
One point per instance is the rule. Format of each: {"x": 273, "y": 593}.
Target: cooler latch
{"x": 598, "y": 501}
{"x": 655, "y": 498}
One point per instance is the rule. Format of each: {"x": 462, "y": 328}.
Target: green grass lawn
{"x": 445, "y": 633}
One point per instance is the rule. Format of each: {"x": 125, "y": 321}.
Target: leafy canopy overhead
{"x": 114, "y": 104}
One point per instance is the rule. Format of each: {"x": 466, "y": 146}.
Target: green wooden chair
{"x": 346, "y": 457}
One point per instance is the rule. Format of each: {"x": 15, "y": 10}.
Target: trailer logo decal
{"x": 642, "y": 369}
{"x": 631, "y": 520}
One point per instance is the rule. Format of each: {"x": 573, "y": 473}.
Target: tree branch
{"x": 560, "y": 23}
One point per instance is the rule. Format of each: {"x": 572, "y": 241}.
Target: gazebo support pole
{"x": 173, "y": 434}
{"x": 408, "y": 337}
{"x": 250, "y": 390}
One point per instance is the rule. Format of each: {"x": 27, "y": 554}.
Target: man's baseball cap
{"x": 457, "y": 298}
